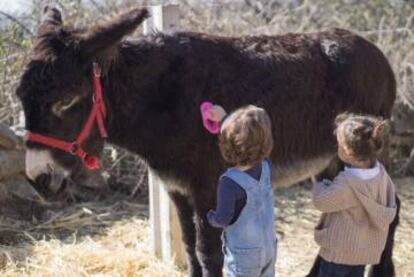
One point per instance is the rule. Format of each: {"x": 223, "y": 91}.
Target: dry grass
{"x": 123, "y": 251}
{"x": 92, "y": 239}
{"x": 111, "y": 239}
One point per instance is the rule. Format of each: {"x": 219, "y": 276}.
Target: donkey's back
{"x": 302, "y": 80}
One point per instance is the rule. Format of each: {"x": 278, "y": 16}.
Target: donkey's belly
{"x": 288, "y": 174}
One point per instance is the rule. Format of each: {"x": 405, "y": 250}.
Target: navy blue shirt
{"x": 231, "y": 199}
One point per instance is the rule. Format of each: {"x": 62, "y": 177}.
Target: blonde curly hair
{"x": 246, "y": 136}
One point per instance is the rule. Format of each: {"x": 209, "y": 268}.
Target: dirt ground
{"x": 111, "y": 238}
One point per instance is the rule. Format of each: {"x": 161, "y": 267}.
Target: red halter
{"x": 97, "y": 114}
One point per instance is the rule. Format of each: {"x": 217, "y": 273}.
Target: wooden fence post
{"x": 165, "y": 228}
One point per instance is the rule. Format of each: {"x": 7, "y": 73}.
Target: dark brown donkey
{"x": 152, "y": 89}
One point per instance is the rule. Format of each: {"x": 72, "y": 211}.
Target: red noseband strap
{"x": 97, "y": 114}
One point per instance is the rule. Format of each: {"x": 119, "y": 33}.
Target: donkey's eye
{"x": 61, "y": 106}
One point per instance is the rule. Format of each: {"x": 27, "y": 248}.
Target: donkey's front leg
{"x": 209, "y": 248}
{"x": 208, "y": 238}
{"x": 185, "y": 213}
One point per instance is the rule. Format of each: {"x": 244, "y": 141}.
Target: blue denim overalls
{"x": 249, "y": 244}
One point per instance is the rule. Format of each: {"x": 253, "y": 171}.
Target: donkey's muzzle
{"x": 51, "y": 181}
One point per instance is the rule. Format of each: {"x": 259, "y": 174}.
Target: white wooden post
{"x": 165, "y": 229}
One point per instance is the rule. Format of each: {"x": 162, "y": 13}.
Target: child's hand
{"x": 216, "y": 113}
{"x": 211, "y": 218}
{"x": 210, "y": 214}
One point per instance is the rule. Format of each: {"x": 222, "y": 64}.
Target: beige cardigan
{"x": 357, "y": 212}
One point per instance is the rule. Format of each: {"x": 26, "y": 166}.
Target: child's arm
{"x": 226, "y": 205}
{"x": 333, "y": 196}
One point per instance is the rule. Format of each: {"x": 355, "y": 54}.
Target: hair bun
{"x": 363, "y": 131}
{"x": 380, "y": 132}
{"x": 381, "y": 129}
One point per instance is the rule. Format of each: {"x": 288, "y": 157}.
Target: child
{"x": 245, "y": 196}
{"x": 359, "y": 204}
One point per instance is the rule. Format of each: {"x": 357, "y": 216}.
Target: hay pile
{"x": 98, "y": 239}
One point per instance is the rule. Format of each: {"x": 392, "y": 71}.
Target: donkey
{"x": 144, "y": 95}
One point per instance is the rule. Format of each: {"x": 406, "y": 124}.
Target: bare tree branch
{"x": 98, "y": 7}
{"x": 17, "y": 21}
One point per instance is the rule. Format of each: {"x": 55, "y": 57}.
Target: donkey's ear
{"x": 105, "y": 35}
{"x": 50, "y": 22}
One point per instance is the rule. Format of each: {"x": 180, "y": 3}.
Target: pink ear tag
{"x": 211, "y": 126}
